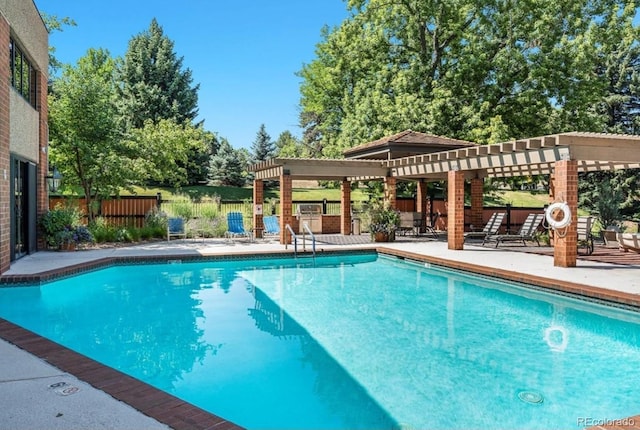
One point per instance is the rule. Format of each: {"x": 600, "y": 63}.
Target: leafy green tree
{"x": 88, "y": 148}
{"x": 288, "y": 146}
{"x": 162, "y": 149}
{"x": 154, "y": 84}
{"x": 263, "y": 147}
{"x": 85, "y": 145}
{"x": 54, "y": 23}
{"x": 483, "y": 71}
{"x": 226, "y": 166}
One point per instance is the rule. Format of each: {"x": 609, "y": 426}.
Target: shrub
{"x": 62, "y": 225}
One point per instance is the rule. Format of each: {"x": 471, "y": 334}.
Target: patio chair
{"x": 492, "y": 227}
{"x": 235, "y": 226}
{"x": 629, "y": 242}
{"x": 176, "y": 228}
{"x": 271, "y": 225}
{"x": 527, "y": 231}
{"x": 585, "y": 238}
{"x": 431, "y": 228}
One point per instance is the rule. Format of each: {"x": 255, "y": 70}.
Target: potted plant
{"x": 384, "y": 221}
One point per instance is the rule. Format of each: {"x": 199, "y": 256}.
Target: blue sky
{"x": 244, "y": 54}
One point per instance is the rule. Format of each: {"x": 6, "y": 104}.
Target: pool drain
{"x": 530, "y": 397}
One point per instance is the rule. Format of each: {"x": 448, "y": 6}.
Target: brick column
{"x": 565, "y": 247}
{"x": 455, "y": 209}
{"x": 552, "y": 196}
{"x": 390, "y": 191}
{"x": 345, "y": 208}
{"x": 5, "y": 213}
{"x": 477, "y": 194}
{"x": 421, "y": 201}
{"x": 286, "y": 208}
{"x": 258, "y": 199}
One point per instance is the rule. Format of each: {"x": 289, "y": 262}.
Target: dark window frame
{"x": 22, "y": 73}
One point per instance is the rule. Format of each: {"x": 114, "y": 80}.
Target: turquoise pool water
{"x": 361, "y": 341}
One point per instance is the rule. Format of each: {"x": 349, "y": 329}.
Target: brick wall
{"x": 5, "y": 215}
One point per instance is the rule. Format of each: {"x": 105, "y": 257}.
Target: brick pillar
{"x": 345, "y": 208}
{"x": 477, "y": 194}
{"x": 421, "y": 201}
{"x": 286, "y": 208}
{"x": 390, "y": 191}
{"x": 552, "y": 197}
{"x": 258, "y": 199}
{"x": 455, "y": 209}
{"x": 565, "y": 247}
{"x": 5, "y": 213}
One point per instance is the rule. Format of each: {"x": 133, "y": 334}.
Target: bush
{"x": 62, "y": 225}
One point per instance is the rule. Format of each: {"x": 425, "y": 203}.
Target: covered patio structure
{"x": 562, "y": 156}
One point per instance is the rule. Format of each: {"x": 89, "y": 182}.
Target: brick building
{"x": 23, "y": 127}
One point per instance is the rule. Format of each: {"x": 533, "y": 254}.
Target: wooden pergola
{"x": 562, "y": 156}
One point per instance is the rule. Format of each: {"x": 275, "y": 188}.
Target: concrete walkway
{"x": 34, "y": 394}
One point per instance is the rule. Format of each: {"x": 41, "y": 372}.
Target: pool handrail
{"x": 295, "y": 240}
{"x": 305, "y": 227}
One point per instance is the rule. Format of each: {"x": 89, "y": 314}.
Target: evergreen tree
{"x": 226, "y": 167}
{"x": 263, "y": 148}
{"x": 154, "y": 86}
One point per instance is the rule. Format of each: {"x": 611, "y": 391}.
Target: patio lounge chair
{"x": 235, "y": 226}
{"x": 527, "y": 231}
{"x": 271, "y": 225}
{"x": 629, "y": 242}
{"x": 175, "y": 228}
{"x": 492, "y": 227}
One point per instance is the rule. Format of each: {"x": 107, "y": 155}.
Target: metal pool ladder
{"x": 294, "y": 236}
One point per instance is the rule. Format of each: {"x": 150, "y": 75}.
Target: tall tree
{"x": 85, "y": 146}
{"x": 154, "y": 84}
{"x": 483, "y": 71}
{"x": 263, "y": 147}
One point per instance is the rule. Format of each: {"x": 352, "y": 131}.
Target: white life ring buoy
{"x": 566, "y": 215}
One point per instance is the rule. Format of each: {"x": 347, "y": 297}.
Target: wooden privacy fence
{"x": 125, "y": 210}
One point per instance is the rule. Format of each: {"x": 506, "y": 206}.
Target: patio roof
{"x": 533, "y": 156}
{"x": 404, "y": 144}
{"x": 319, "y": 168}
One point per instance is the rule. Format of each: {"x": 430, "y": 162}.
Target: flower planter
{"x": 67, "y": 247}
{"x": 381, "y": 236}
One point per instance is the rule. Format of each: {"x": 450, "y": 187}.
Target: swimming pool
{"x": 362, "y": 341}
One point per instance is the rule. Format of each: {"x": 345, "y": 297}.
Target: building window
{"x": 22, "y": 73}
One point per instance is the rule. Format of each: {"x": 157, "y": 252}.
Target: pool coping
{"x": 179, "y": 414}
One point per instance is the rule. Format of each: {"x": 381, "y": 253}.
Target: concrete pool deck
{"x": 32, "y": 386}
